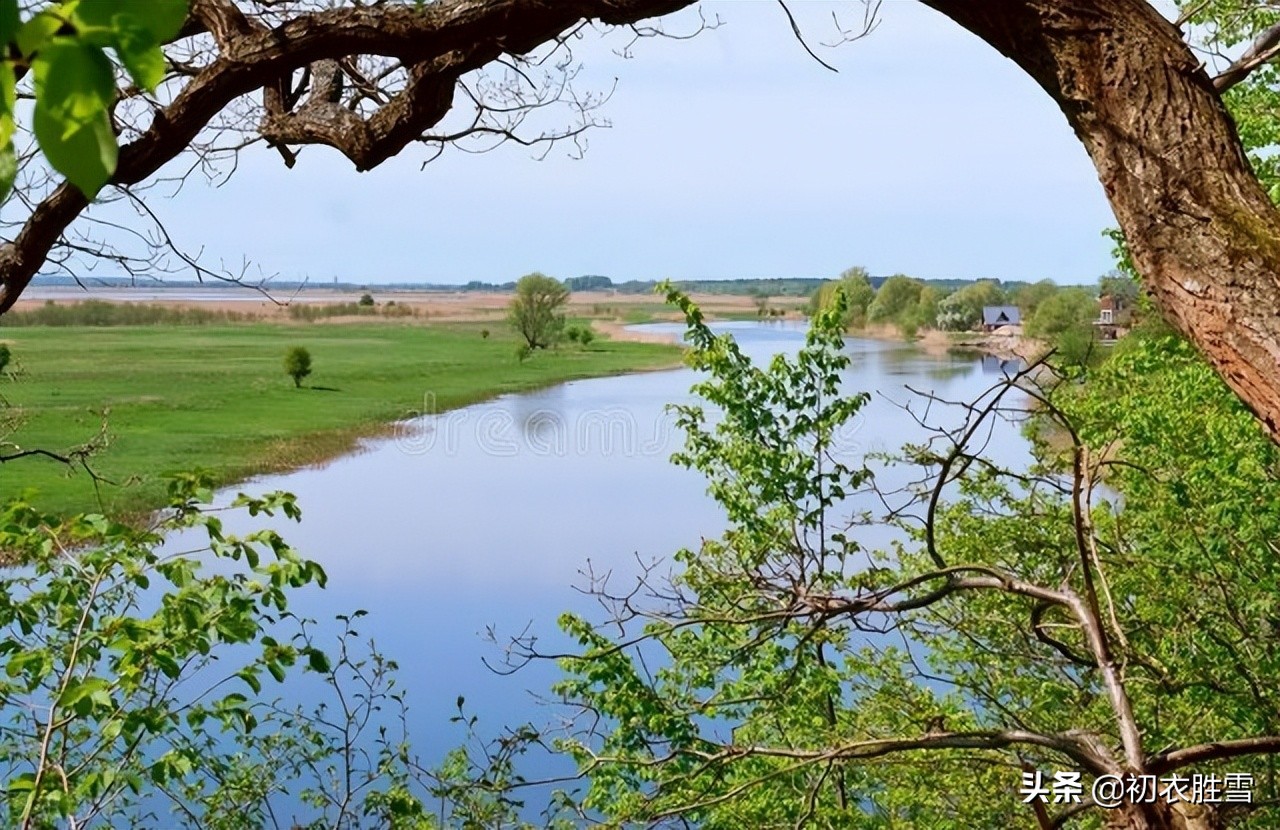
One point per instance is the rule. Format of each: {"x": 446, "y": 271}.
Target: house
{"x": 998, "y": 316}
{"x": 1113, "y": 317}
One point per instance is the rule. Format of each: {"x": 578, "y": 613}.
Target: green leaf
{"x": 140, "y": 55}
{"x": 276, "y": 670}
{"x": 250, "y": 677}
{"x": 35, "y": 33}
{"x": 162, "y": 19}
{"x": 10, "y": 21}
{"x": 73, "y": 81}
{"x": 135, "y": 29}
{"x": 74, "y": 86}
{"x": 86, "y": 154}
{"x": 8, "y": 168}
{"x": 318, "y": 661}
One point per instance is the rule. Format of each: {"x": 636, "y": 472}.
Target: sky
{"x": 731, "y": 154}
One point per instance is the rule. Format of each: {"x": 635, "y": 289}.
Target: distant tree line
{"x": 1048, "y": 311}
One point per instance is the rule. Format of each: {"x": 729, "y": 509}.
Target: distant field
{"x": 216, "y": 396}
{"x": 460, "y": 306}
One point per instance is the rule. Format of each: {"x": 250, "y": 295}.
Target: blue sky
{"x": 731, "y": 154}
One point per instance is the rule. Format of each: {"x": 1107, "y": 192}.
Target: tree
{"x": 1119, "y": 285}
{"x": 1029, "y": 297}
{"x": 1066, "y": 309}
{"x": 297, "y": 364}
{"x": 1025, "y": 623}
{"x": 535, "y": 311}
{"x": 962, "y": 310}
{"x": 897, "y": 295}
{"x": 856, "y": 284}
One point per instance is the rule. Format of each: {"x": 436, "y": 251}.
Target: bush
{"x": 5, "y": 357}
{"x": 297, "y": 364}
{"x": 484, "y": 333}
{"x": 586, "y": 335}
{"x": 366, "y": 300}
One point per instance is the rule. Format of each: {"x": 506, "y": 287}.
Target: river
{"x": 482, "y": 519}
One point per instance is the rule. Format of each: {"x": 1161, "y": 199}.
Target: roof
{"x": 1001, "y": 315}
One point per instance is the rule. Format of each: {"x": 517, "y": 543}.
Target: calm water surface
{"x": 483, "y": 519}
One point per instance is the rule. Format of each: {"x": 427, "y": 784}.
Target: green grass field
{"x": 216, "y": 397}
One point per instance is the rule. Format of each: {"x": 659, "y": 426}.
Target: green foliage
{"x": 962, "y": 309}
{"x": 74, "y": 79}
{"x": 366, "y": 300}
{"x": 535, "y": 312}
{"x": 589, "y": 282}
{"x": 1029, "y": 297}
{"x": 6, "y": 355}
{"x": 137, "y": 683}
{"x": 897, "y": 297}
{"x": 582, "y": 334}
{"x": 98, "y": 641}
{"x": 1068, "y": 309}
{"x": 297, "y": 364}
{"x": 858, "y": 295}
{"x": 1120, "y": 285}
{"x": 791, "y": 677}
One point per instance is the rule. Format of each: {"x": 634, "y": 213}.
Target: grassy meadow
{"x": 216, "y": 397}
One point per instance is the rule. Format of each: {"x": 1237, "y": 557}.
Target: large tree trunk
{"x": 1202, "y": 231}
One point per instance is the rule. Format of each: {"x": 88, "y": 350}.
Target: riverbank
{"x": 170, "y": 398}
{"x": 1006, "y": 346}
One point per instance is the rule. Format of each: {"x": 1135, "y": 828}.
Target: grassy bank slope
{"x": 216, "y": 397}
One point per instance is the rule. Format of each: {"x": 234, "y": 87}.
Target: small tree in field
{"x": 535, "y": 312}
{"x": 297, "y": 364}
{"x": 5, "y": 356}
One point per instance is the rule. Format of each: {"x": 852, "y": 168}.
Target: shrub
{"x": 297, "y": 364}
{"x": 586, "y": 335}
{"x": 484, "y": 333}
{"x": 366, "y": 300}
{"x": 5, "y": 356}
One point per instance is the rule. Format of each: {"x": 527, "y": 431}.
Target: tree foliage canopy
{"x": 536, "y": 310}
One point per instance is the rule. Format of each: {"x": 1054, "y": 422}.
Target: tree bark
{"x": 1164, "y": 816}
{"x": 1201, "y": 229}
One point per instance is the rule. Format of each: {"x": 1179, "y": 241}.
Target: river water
{"x": 483, "y": 519}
